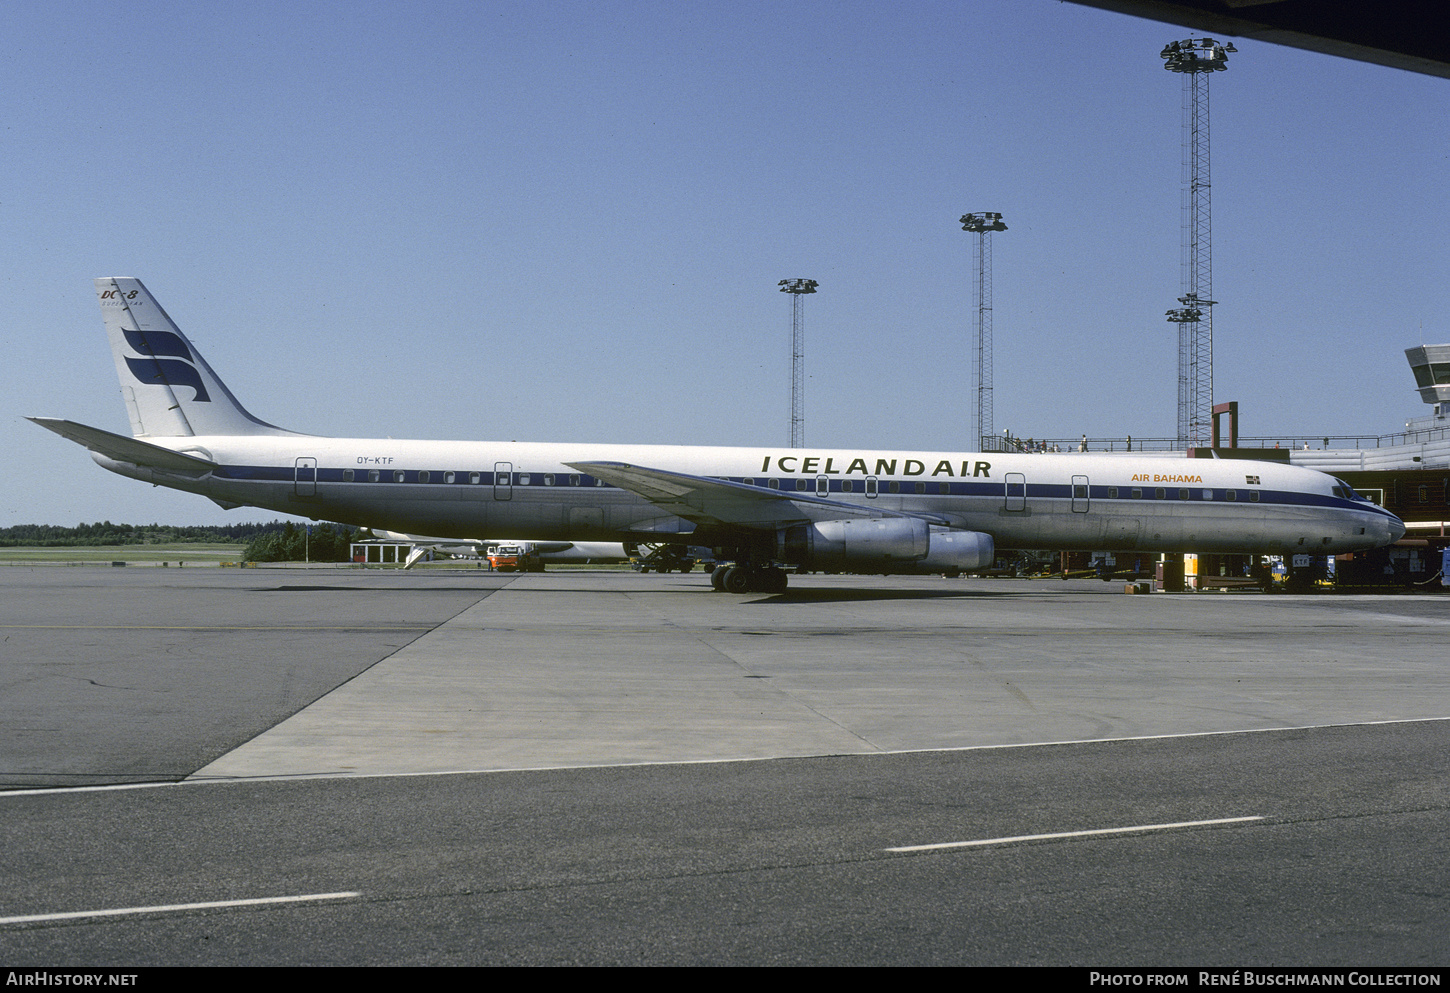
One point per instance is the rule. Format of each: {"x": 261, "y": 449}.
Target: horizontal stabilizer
{"x": 123, "y": 449}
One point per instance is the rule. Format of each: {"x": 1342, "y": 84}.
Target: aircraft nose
{"x": 1396, "y": 529}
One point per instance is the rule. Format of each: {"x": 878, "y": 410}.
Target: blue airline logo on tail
{"x": 156, "y": 369}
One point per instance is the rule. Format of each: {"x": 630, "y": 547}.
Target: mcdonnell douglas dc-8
{"x": 764, "y": 509}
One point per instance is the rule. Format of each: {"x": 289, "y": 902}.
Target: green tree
{"x": 328, "y": 543}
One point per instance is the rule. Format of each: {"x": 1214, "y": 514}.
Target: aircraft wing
{"x": 123, "y": 449}
{"x": 705, "y": 500}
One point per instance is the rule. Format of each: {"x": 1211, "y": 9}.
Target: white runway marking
{"x": 1071, "y": 834}
{"x": 166, "y": 908}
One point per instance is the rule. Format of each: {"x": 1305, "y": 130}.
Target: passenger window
{"x": 1079, "y": 491}
{"x": 523, "y": 479}
{"x": 1112, "y": 492}
{"x": 373, "y": 475}
{"x": 474, "y": 477}
{"x": 921, "y": 487}
{"x": 1253, "y": 496}
{"x": 398, "y": 476}
{"x": 847, "y": 486}
{"x": 548, "y": 479}
{"x": 1230, "y": 494}
{"x": 800, "y": 484}
{"x": 1137, "y": 493}
{"x": 748, "y": 481}
{"x": 449, "y": 477}
{"x": 1183, "y": 494}
{"x": 1159, "y": 493}
{"x": 347, "y": 475}
{"x": 1208, "y": 494}
{"x": 773, "y": 483}
{"x": 573, "y": 479}
{"x": 944, "y": 487}
{"x": 424, "y": 476}
{"x": 893, "y": 486}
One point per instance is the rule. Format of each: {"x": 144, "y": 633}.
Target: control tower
{"x": 1431, "y": 365}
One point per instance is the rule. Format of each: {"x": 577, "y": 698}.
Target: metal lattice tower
{"x": 797, "y": 288}
{"x": 982, "y": 225}
{"x": 1194, "y": 59}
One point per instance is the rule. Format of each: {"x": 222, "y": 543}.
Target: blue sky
{"x": 566, "y": 222}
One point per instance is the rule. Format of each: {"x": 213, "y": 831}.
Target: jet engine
{"x": 883, "y": 544}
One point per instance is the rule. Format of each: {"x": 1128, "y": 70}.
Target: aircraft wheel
{"x": 717, "y": 578}
{"x": 739, "y": 579}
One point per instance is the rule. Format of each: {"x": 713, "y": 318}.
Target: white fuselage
{"x": 457, "y": 489}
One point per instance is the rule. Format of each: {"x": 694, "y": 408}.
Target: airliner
{"x": 549, "y": 552}
{"x": 763, "y": 509}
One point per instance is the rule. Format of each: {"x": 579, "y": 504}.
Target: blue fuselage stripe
{"x": 1000, "y": 489}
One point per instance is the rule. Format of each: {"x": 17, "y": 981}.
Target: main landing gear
{"x": 743, "y": 578}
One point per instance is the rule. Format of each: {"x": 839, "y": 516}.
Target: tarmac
{"x": 571, "y": 669}
{"x": 119, "y": 676}
{"x": 304, "y": 767}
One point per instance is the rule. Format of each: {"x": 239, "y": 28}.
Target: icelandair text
{"x": 884, "y": 467}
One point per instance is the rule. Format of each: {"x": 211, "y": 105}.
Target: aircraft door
{"x": 1079, "y": 494}
{"x": 304, "y": 477}
{"x": 503, "y": 480}
{"x": 1016, "y": 490}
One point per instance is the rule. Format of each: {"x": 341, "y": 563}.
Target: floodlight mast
{"x": 982, "y": 225}
{"x": 1195, "y": 59}
{"x": 797, "y": 288}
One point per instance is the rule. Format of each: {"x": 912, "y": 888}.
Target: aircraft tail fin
{"x": 169, "y": 389}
